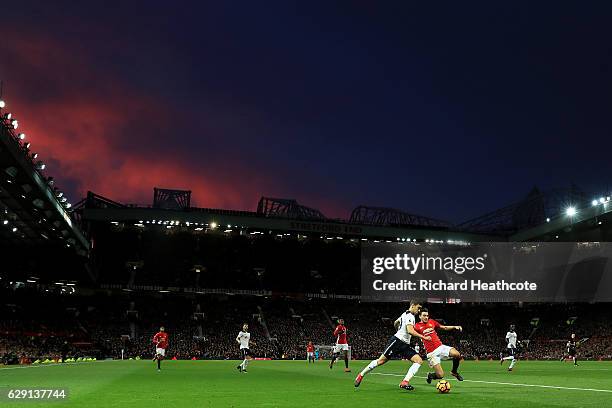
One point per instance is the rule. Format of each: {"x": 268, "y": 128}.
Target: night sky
{"x": 438, "y": 108}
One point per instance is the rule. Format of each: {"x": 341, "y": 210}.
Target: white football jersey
{"x": 511, "y": 338}
{"x": 243, "y": 338}
{"x": 405, "y": 319}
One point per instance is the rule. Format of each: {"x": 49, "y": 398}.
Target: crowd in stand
{"x": 116, "y": 326}
{"x": 120, "y": 322}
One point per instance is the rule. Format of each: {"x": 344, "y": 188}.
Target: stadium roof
{"x": 32, "y": 209}
{"x": 541, "y": 215}
{"x": 277, "y": 215}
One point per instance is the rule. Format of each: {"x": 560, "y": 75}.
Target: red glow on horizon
{"x": 95, "y": 133}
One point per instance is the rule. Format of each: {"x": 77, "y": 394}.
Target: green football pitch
{"x": 296, "y": 384}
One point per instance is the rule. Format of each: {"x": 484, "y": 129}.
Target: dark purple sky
{"x": 446, "y": 109}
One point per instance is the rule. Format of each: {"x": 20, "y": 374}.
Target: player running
{"x": 341, "y": 345}
{"x": 399, "y": 346}
{"x": 571, "y": 349}
{"x": 511, "y": 340}
{"x": 310, "y": 352}
{"x": 244, "y": 338}
{"x": 161, "y": 344}
{"x": 436, "y": 351}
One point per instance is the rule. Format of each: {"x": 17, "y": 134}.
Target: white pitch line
{"x": 54, "y": 364}
{"x": 515, "y": 384}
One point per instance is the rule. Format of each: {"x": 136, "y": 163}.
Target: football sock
{"x": 158, "y": 364}
{"x": 412, "y": 371}
{"x": 373, "y": 364}
{"x": 512, "y": 363}
{"x": 456, "y": 362}
{"x": 346, "y": 361}
{"x": 508, "y": 358}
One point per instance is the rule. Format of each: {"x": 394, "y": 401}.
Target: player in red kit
{"x": 161, "y": 344}
{"x": 310, "y": 352}
{"x": 341, "y": 345}
{"x": 436, "y": 351}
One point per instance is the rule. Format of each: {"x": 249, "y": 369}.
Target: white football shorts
{"x": 441, "y": 353}
{"x": 341, "y": 347}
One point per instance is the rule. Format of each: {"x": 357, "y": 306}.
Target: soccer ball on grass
{"x": 443, "y": 386}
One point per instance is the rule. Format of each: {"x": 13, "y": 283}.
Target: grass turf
{"x": 296, "y": 384}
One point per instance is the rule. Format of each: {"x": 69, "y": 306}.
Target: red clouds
{"x": 98, "y": 127}
{"x": 102, "y": 135}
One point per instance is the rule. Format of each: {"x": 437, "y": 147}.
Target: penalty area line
{"x": 555, "y": 387}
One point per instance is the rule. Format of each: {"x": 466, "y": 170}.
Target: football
{"x": 443, "y": 386}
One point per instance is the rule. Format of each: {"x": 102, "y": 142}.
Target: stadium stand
{"x": 104, "y": 324}
{"x": 97, "y": 279}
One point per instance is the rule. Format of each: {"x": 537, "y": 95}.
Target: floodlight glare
{"x": 15, "y": 124}
{"x": 595, "y": 202}
{"x": 570, "y": 211}
{"x": 2, "y": 104}
{"x": 21, "y": 136}
{"x": 602, "y": 200}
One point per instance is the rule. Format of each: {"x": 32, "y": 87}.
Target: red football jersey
{"x": 340, "y": 333}
{"x": 429, "y": 329}
{"x": 310, "y": 348}
{"x": 161, "y": 340}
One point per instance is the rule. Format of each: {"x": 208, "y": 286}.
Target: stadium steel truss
{"x": 381, "y": 216}
{"x": 171, "y": 199}
{"x": 284, "y": 208}
{"x": 539, "y": 215}
{"x": 93, "y": 200}
{"x": 527, "y": 213}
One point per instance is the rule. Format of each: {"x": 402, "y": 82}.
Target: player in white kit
{"x": 244, "y": 338}
{"x": 399, "y": 346}
{"x": 511, "y": 340}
